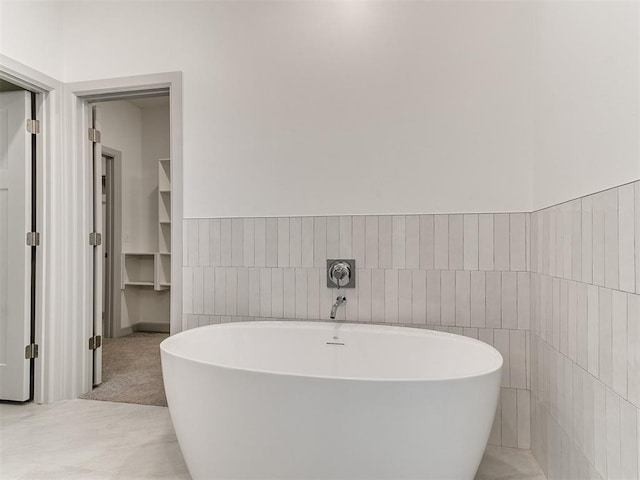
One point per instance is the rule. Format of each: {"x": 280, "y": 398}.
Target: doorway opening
{"x": 134, "y": 195}
{"x": 82, "y": 101}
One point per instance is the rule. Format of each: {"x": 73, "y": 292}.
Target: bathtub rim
{"x": 398, "y": 329}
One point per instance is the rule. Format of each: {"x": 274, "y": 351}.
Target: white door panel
{"x": 15, "y": 255}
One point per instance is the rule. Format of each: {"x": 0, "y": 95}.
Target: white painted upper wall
{"x": 301, "y": 108}
{"x": 294, "y": 108}
{"x": 121, "y": 127}
{"x": 587, "y": 117}
{"x": 31, "y": 33}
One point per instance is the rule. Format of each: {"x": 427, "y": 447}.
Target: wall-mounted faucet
{"x": 339, "y": 301}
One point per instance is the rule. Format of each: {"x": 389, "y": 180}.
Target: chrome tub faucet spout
{"x": 339, "y": 301}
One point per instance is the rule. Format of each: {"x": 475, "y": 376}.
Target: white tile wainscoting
{"x": 585, "y": 327}
{"x": 555, "y": 291}
{"x": 465, "y": 274}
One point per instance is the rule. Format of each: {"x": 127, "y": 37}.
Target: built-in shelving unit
{"x": 138, "y": 269}
{"x": 153, "y": 269}
{"x": 163, "y": 270}
{"x": 164, "y": 206}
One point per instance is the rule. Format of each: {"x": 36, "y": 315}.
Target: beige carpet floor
{"x": 131, "y": 371}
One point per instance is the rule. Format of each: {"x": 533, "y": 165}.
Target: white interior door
{"x": 98, "y": 251}
{"x": 15, "y": 255}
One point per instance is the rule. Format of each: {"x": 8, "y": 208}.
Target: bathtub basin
{"x": 312, "y": 400}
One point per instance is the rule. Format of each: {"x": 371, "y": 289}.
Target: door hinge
{"x": 31, "y": 351}
{"x": 95, "y": 239}
{"x": 94, "y": 135}
{"x": 33, "y": 126}
{"x": 33, "y": 239}
{"x": 95, "y": 342}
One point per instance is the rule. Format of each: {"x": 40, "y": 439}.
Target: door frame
{"x": 49, "y": 364}
{"x": 113, "y": 238}
{"x": 78, "y": 96}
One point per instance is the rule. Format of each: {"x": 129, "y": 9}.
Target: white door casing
{"x": 98, "y": 250}
{"x": 15, "y": 255}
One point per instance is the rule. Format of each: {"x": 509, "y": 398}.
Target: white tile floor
{"x": 85, "y": 439}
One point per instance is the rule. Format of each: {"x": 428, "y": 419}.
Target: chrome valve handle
{"x": 340, "y": 272}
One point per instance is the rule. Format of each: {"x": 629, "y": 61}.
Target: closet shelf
{"x": 146, "y": 269}
{"x": 163, "y": 258}
{"x": 139, "y": 284}
{"x": 153, "y": 269}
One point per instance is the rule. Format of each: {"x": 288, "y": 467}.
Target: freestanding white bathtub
{"x": 311, "y": 400}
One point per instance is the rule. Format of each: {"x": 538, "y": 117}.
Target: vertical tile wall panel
{"x": 441, "y": 242}
{"x": 456, "y": 246}
{"x": 633, "y": 349}
{"x": 501, "y": 250}
{"x": 288, "y": 293}
{"x": 493, "y": 299}
{"x": 254, "y": 292}
{"x": 192, "y": 243}
{"x": 320, "y": 242}
{"x": 271, "y": 242}
{"x": 306, "y": 239}
{"x": 448, "y": 297}
{"x": 485, "y": 242}
{"x": 471, "y": 241}
{"x": 619, "y": 343}
{"x": 398, "y": 242}
{"x": 333, "y": 237}
{"x": 283, "y": 241}
{"x": 412, "y": 242}
{"x": 364, "y": 295}
{"x": 478, "y": 299}
{"x": 345, "y": 249}
{"x": 248, "y": 242}
{"x": 300, "y": 294}
{"x": 433, "y": 297}
{"x": 611, "y": 245}
{"x": 377, "y": 295}
{"x": 405, "y": 295}
{"x": 584, "y": 398}
{"x": 427, "y": 239}
{"x": 314, "y": 278}
{"x": 236, "y": 243}
{"x": 203, "y": 243}
{"x": 419, "y": 297}
{"x": 587, "y": 239}
{"x": 598, "y": 237}
{"x": 626, "y": 238}
{"x": 628, "y": 441}
{"x": 385, "y": 254}
{"x": 576, "y": 240}
{"x": 371, "y": 242}
{"x": 463, "y": 299}
{"x": 209, "y": 290}
{"x": 277, "y": 292}
{"x": 517, "y": 242}
{"x": 243, "y": 291}
{"x": 636, "y": 217}
{"x": 295, "y": 242}
{"x": 231, "y": 283}
{"x": 260, "y": 242}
